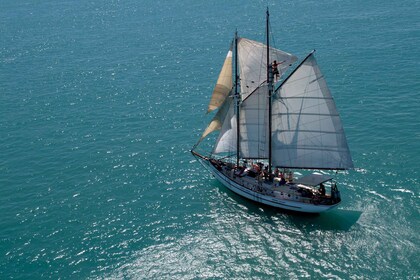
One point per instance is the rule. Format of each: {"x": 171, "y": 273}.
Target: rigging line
{"x": 257, "y": 88}
{"x": 272, "y": 37}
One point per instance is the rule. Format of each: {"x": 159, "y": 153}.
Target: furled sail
{"x": 254, "y": 124}
{"x": 252, "y": 57}
{"x": 223, "y": 85}
{"x": 307, "y": 131}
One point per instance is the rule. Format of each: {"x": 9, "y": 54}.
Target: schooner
{"x": 270, "y": 128}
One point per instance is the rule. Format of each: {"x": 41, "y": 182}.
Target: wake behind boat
{"x": 292, "y": 126}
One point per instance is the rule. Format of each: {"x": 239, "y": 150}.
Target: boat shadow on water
{"x": 333, "y": 220}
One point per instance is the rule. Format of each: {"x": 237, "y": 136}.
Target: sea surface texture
{"x": 101, "y": 101}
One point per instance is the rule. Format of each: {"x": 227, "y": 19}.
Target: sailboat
{"x": 279, "y": 135}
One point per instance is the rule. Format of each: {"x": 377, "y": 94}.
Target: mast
{"x": 270, "y": 90}
{"x": 237, "y": 98}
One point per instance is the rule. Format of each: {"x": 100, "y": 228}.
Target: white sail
{"x": 307, "y": 131}
{"x": 252, "y": 57}
{"x": 226, "y": 142}
{"x": 254, "y": 124}
{"x": 223, "y": 85}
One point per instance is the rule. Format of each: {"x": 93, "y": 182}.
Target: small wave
{"x": 403, "y": 191}
{"x": 380, "y": 195}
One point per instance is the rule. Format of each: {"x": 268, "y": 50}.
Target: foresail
{"x": 307, "y": 130}
{"x": 223, "y": 85}
{"x": 254, "y": 125}
{"x": 226, "y": 141}
{"x": 252, "y": 57}
{"x": 217, "y": 121}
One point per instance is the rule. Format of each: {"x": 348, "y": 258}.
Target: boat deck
{"x": 288, "y": 191}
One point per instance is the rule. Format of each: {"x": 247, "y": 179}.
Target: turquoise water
{"x": 100, "y": 102}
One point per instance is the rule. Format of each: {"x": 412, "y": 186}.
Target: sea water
{"x": 101, "y": 101}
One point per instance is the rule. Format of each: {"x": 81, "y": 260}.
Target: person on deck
{"x": 322, "y": 189}
{"x": 282, "y": 180}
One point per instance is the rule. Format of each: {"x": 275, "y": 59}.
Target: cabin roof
{"x": 313, "y": 179}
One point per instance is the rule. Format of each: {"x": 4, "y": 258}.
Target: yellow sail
{"x": 223, "y": 85}
{"x": 219, "y": 118}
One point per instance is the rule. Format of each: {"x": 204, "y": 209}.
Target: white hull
{"x": 266, "y": 199}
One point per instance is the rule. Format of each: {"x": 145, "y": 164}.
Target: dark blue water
{"x": 100, "y": 102}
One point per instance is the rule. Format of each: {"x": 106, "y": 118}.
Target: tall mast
{"x": 270, "y": 90}
{"x": 237, "y": 98}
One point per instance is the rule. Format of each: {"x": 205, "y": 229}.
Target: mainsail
{"x": 223, "y": 85}
{"x": 252, "y": 56}
{"x": 307, "y": 131}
